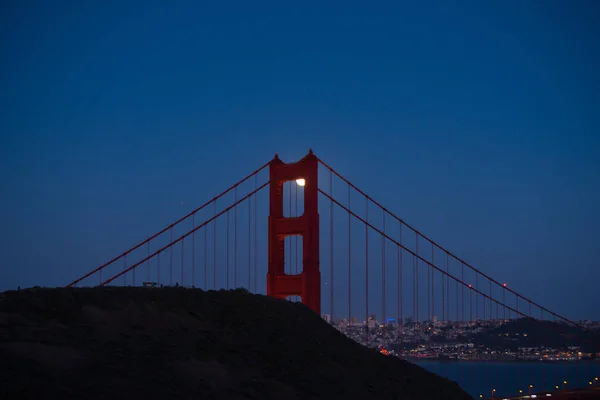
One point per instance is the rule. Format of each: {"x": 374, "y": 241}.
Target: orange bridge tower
{"x": 307, "y": 284}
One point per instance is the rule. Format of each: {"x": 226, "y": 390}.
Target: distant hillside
{"x": 174, "y": 343}
{"x": 525, "y": 332}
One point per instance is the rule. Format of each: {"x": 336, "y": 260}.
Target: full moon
{"x": 300, "y": 182}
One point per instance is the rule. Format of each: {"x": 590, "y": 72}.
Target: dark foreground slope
{"x": 178, "y": 343}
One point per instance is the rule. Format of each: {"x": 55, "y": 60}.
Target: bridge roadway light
{"x": 301, "y": 182}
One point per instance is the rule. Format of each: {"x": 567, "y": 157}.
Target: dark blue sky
{"x": 478, "y": 123}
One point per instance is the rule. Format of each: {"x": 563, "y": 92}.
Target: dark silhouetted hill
{"x": 175, "y": 343}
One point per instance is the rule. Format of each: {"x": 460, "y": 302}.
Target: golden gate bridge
{"x": 350, "y": 258}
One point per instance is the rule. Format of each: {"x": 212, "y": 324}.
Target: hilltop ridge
{"x": 187, "y": 343}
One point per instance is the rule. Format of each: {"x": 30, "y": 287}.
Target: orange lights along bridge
{"x": 303, "y": 231}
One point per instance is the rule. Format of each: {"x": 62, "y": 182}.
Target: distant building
{"x": 372, "y": 321}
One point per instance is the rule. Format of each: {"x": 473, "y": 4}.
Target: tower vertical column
{"x": 307, "y": 284}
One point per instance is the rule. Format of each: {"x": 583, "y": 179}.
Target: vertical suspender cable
{"x": 383, "y": 299}
{"x": 148, "y": 264}
{"x": 349, "y": 262}
{"x": 367, "y": 270}
{"x": 417, "y": 294}
{"x": 205, "y": 257}
{"x": 215, "y": 250}
{"x": 249, "y": 241}
{"x": 255, "y": 234}
{"x": 227, "y": 251}
{"x": 331, "y": 280}
{"x": 194, "y": 251}
{"x": 182, "y": 255}
{"x": 235, "y": 248}
{"x": 297, "y": 254}
{"x": 400, "y": 320}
